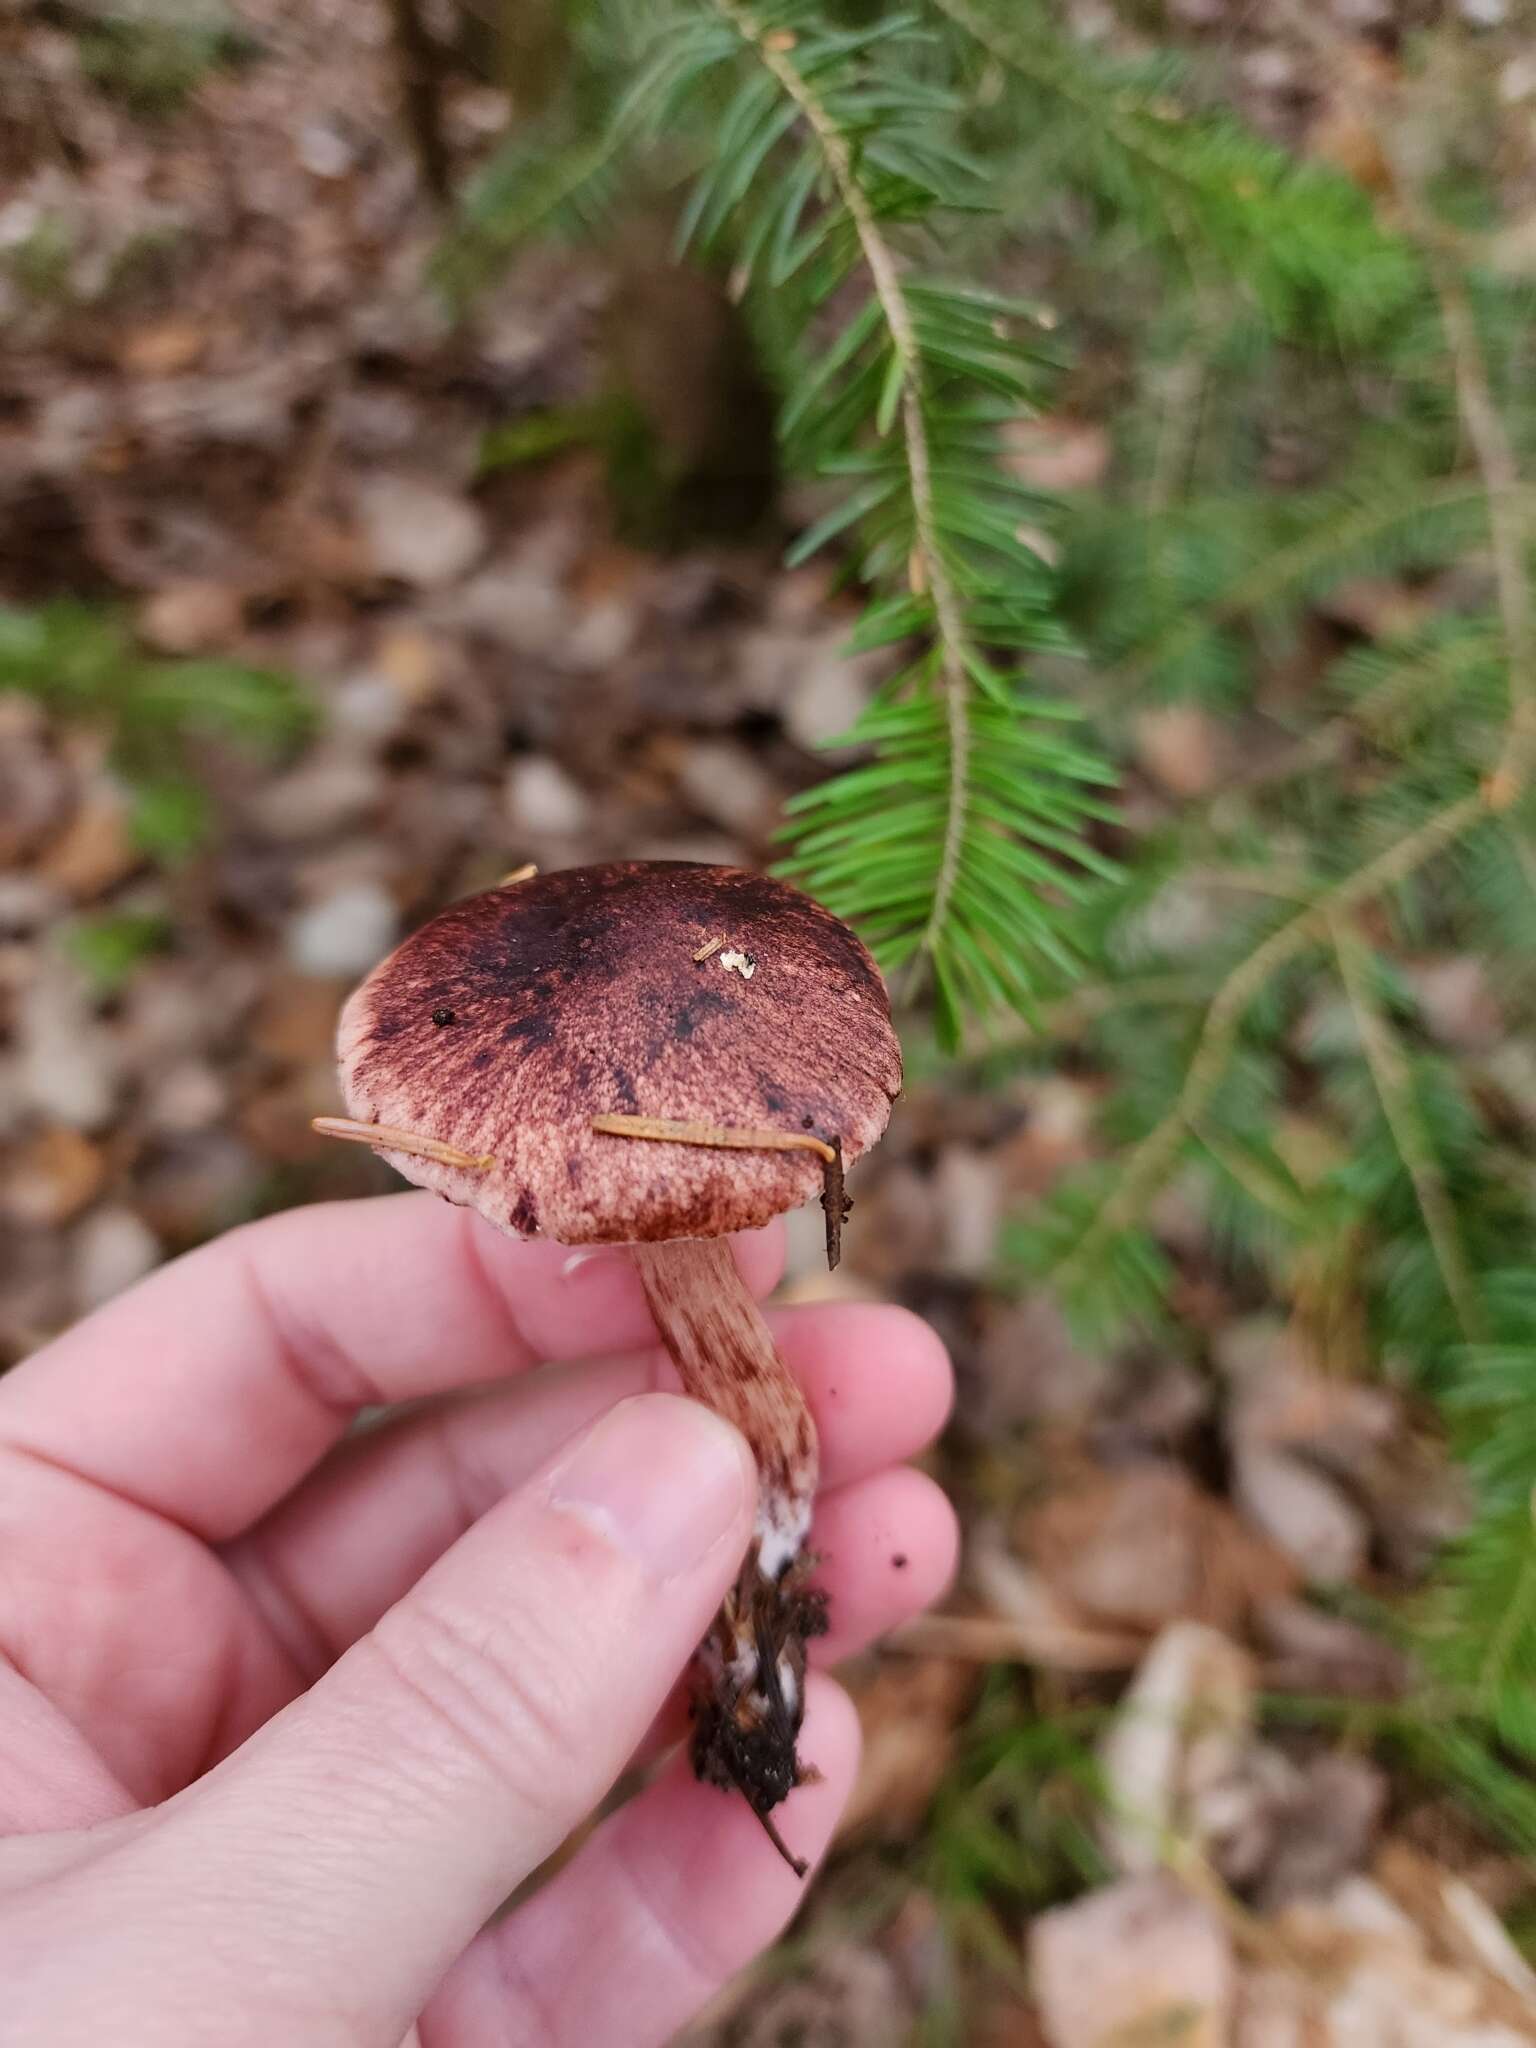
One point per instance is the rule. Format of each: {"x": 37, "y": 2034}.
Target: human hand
{"x": 284, "y": 1719}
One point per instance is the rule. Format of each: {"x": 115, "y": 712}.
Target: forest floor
{"x": 1150, "y": 1775}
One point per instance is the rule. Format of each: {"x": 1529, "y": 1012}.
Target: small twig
{"x": 709, "y": 948}
{"x": 386, "y": 1138}
{"x": 993, "y": 1639}
{"x": 1255, "y": 1937}
{"x": 734, "y": 1137}
{"x": 525, "y": 873}
{"x": 1248, "y": 1175}
{"x": 770, "y": 1828}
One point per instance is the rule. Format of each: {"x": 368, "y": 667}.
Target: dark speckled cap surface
{"x": 509, "y": 1021}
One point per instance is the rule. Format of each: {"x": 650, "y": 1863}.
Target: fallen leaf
{"x": 412, "y": 662}
{"x": 1179, "y": 1736}
{"x": 191, "y": 617}
{"x": 1140, "y": 1964}
{"x": 1144, "y": 1545}
{"x": 1182, "y": 748}
{"x": 52, "y": 1177}
{"x": 416, "y": 531}
{"x": 95, "y": 850}
{"x": 163, "y": 349}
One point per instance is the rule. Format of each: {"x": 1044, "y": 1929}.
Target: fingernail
{"x": 591, "y": 1258}
{"x": 659, "y": 1477}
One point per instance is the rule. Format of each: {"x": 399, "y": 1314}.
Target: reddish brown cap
{"x": 508, "y": 1022}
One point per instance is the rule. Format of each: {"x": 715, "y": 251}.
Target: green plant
{"x": 82, "y": 662}
{"x": 896, "y": 379}
{"x": 40, "y": 264}
{"x": 1317, "y": 528}
{"x": 1015, "y": 1816}
{"x": 110, "y": 945}
{"x": 1356, "y": 1155}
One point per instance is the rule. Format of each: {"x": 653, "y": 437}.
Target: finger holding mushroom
{"x": 652, "y": 1054}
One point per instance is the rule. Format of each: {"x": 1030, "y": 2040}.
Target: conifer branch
{"x": 1508, "y": 497}
{"x": 928, "y": 572}
{"x": 1499, "y": 1663}
{"x": 1150, "y": 1160}
{"x": 1323, "y": 545}
{"x": 1394, "y": 1087}
{"x": 1055, "y": 78}
{"x": 1509, "y": 530}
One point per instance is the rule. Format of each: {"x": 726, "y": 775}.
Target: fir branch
{"x": 955, "y": 846}
{"x": 1394, "y": 1087}
{"x": 534, "y": 184}
{"x": 1508, "y": 1657}
{"x": 1239, "y": 211}
{"x": 1324, "y": 545}
{"x": 1509, "y": 528}
{"x": 1149, "y": 1162}
{"x": 1509, "y": 499}
{"x": 1044, "y": 68}
{"x": 928, "y": 571}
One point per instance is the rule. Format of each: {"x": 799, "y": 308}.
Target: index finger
{"x": 209, "y": 1390}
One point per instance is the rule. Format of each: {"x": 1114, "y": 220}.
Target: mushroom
{"x": 581, "y": 1056}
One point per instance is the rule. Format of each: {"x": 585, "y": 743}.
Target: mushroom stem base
{"x": 749, "y": 1702}
{"x": 750, "y": 1692}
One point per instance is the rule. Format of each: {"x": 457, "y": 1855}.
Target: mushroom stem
{"x": 751, "y": 1694}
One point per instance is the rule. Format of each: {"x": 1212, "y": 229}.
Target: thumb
{"x": 341, "y": 1860}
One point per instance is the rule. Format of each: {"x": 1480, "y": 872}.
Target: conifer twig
{"x": 1150, "y": 1160}
{"x": 1015, "y": 53}
{"x": 1508, "y": 496}
{"x": 1290, "y": 565}
{"x": 1388, "y": 1063}
{"x": 1509, "y": 500}
{"x": 1509, "y": 529}
{"x": 929, "y": 571}
{"x": 1518, "y": 1614}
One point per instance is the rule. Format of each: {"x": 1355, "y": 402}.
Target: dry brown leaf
{"x": 95, "y": 850}
{"x": 1406, "y": 1958}
{"x": 163, "y": 349}
{"x": 191, "y": 617}
{"x": 296, "y": 1023}
{"x": 1140, "y": 1964}
{"x": 1182, "y": 748}
{"x": 412, "y": 663}
{"x": 52, "y": 1177}
{"x": 1144, "y": 1545}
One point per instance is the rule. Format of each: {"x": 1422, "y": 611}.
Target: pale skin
{"x": 284, "y": 1719}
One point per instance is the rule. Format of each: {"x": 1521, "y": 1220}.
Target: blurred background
{"x": 386, "y": 503}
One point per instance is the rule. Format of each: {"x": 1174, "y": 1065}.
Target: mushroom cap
{"x": 508, "y": 1022}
